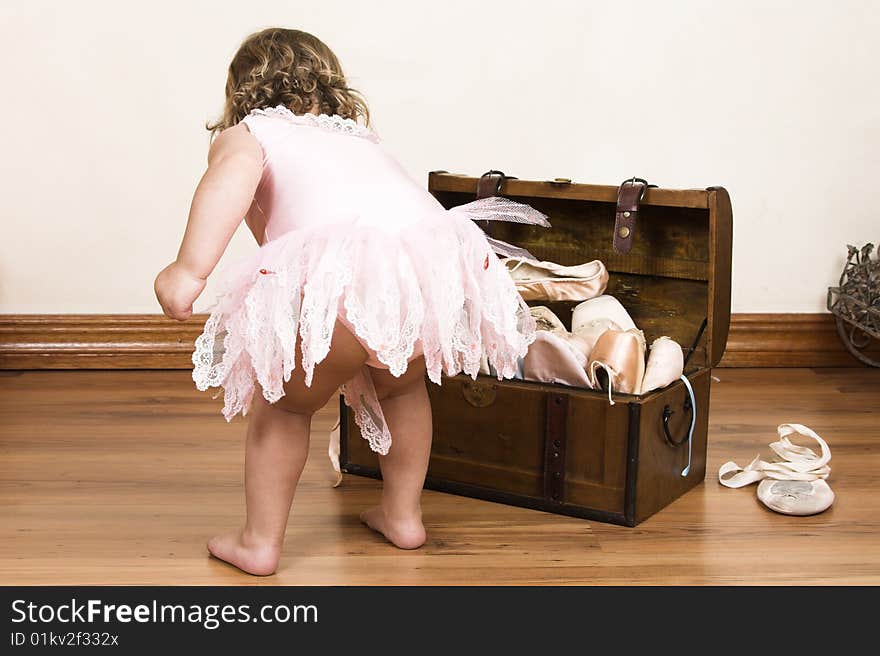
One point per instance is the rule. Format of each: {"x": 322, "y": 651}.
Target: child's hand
{"x": 177, "y": 290}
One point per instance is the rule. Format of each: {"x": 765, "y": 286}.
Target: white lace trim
{"x": 437, "y": 283}
{"x": 331, "y": 122}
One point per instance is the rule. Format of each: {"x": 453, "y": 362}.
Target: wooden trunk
{"x": 567, "y": 450}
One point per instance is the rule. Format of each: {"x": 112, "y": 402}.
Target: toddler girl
{"x": 362, "y": 280}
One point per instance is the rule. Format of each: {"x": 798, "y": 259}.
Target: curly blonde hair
{"x": 278, "y": 66}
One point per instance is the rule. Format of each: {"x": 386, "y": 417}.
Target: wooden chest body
{"x": 564, "y": 449}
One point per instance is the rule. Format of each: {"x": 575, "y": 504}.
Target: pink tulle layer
{"x": 435, "y": 280}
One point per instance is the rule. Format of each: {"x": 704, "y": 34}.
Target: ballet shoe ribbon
{"x": 799, "y": 463}
{"x": 333, "y": 453}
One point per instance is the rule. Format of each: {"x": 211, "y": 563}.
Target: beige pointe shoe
{"x": 548, "y": 281}
{"x": 794, "y": 485}
{"x": 665, "y": 365}
{"x": 796, "y": 497}
{"x": 554, "y": 356}
{"x": 593, "y": 317}
{"x": 588, "y": 334}
{"x": 601, "y": 308}
{"x": 546, "y": 320}
{"x": 617, "y": 362}
{"x": 590, "y": 319}
{"x": 581, "y": 343}
{"x": 553, "y": 359}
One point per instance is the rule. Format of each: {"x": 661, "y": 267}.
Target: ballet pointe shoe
{"x": 548, "y": 281}
{"x": 586, "y": 335}
{"x": 603, "y": 307}
{"x": 581, "y": 342}
{"x": 796, "y": 497}
{"x": 546, "y": 320}
{"x": 617, "y": 362}
{"x": 665, "y": 365}
{"x": 552, "y": 359}
{"x": 795, "y": 483}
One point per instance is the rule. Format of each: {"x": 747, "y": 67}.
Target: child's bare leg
{"x": 407, "y": 411}
{"x": 275, "y": 454}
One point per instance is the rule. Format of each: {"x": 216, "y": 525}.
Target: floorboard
{"x": 119, "y": 477}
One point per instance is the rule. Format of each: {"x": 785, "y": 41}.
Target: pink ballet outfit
{"x": 349, "y": 235}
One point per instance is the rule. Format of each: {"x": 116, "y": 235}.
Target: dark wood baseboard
{"x": 149, "y": 341}
{"x": 787, "y": 340}
{"x": 97, "y": 341}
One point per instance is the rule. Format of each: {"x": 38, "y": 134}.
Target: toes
{"x": 213, "y": 544}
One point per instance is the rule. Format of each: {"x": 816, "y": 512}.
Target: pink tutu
{"x": 437, "y": 282}
{"x": 429, "y": 285}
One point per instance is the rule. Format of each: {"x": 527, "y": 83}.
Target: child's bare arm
{"x": 224, "y": 194}
{"x": 221, "y": 200}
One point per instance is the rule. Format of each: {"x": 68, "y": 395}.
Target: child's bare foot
{"x": 406, "y": 534}
{"x": 248, "y": 555}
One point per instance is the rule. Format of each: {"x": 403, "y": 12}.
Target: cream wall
{"x": 104, "y": 103}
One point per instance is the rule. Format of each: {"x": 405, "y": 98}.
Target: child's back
{"x": 322, "y": 170}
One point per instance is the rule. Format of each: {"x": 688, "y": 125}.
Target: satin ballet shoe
{"x": 586, "y": 335}
{"x": 796, "y": 497}
{"x": 601, "y": 307}
{"x": 333, "y": 453}
{"x": 617, "y": 362}
{"x": 548, "y": 281}
{"x": 546, "y": 320}
{"x": 794, "y": 485}
{"x": 553, "y": 359}
{"x": 665, "y": 365}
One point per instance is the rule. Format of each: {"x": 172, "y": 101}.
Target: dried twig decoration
{"x": 856, "y": 302}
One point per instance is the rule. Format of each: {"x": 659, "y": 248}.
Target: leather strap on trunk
{"x": 629, "y": 196}
{"x": 490, "y": 183}
{"x": 555, "y": 434}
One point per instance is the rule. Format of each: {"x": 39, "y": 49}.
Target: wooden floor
{"x": 119, "y": 477}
